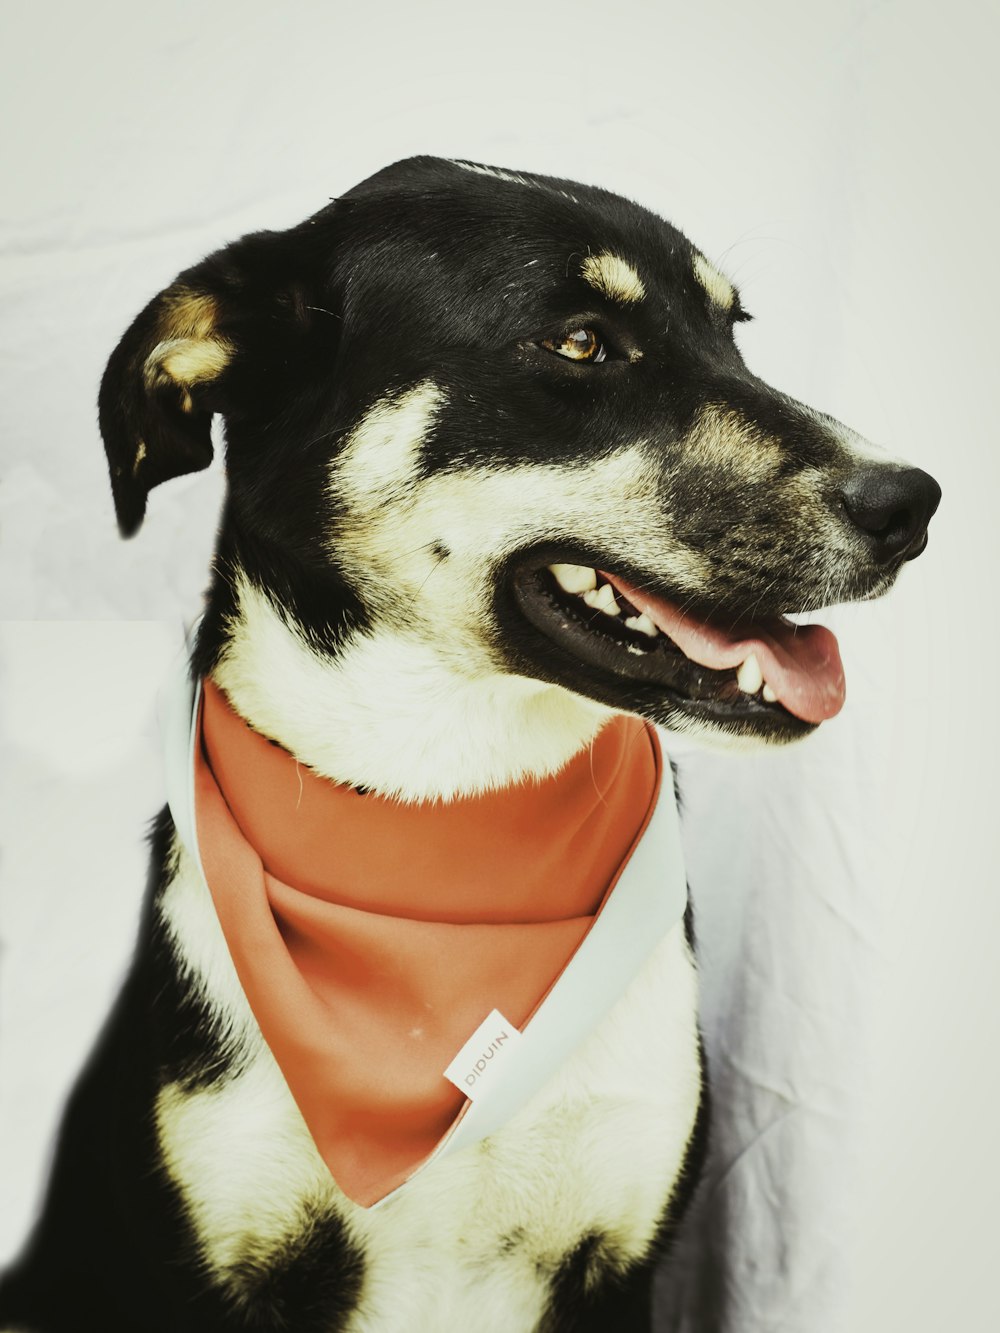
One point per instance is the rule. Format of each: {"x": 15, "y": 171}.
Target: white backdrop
{"x": 839, "y": 163}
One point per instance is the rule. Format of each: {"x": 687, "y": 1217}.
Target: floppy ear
{"x": 192, "y": 352}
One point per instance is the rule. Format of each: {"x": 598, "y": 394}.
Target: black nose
{"x": 892, "y": 506}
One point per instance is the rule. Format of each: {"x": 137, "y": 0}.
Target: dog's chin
{"x": 623, "y": 660}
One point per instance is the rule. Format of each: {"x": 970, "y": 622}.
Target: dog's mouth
{"x": 768, "y": 675}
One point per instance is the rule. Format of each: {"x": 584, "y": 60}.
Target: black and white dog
{"x": 486, "y": 432}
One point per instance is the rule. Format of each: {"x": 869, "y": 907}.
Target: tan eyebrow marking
{"x": 613, "y": 276}
{"x": 718, "y": 286}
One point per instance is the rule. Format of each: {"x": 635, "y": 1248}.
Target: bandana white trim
{"x": 648, "y": 901}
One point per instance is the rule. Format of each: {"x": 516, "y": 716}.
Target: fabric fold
{"x": 373, "y": 937}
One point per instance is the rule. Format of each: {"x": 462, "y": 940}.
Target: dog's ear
{"x": 196, "y": 349}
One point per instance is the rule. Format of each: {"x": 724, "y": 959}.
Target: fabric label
{"x": 481, "y": 1060}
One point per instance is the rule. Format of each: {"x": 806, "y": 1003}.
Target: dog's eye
{"x": 577, "y": 345}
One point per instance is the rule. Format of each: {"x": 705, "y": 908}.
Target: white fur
{"x": 384, "y": 448}
{"x": 244, "y": 1161}
{"x": 389, "y": 713}
{"x": 235, "y": 1210}
{"x": 597, "y": 1151}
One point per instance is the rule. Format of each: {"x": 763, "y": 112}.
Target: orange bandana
{"x": 373, "y": 937}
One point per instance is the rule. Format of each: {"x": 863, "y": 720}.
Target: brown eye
{"x": 577, "y": 345}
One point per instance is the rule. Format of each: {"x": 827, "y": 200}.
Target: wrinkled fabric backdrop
{"x": 839, "y": 163}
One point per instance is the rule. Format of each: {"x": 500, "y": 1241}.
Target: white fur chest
{"x": 472, "y": 1240}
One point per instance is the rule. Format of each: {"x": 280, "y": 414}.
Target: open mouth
{"x": 768, "y": 671}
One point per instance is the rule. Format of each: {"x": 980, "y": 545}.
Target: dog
{"x": 497, "y": 476}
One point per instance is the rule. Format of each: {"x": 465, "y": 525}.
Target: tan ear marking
{"x": 140, "y": 454}
{"x": 189, "y": 351}
{"x": 188, "y": 314}
{"x": 187, "y": 361}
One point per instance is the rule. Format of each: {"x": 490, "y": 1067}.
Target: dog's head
{"x": 506, "y": 416}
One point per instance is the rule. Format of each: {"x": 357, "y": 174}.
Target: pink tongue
{"x": 801, "y": 663}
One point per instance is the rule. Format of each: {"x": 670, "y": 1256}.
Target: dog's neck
{"x": 391, "y": 714}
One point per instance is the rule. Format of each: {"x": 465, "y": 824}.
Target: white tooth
{"x": 574, "y": 578}
{"x": 603, "y": 599}
{"x": 769, "y": 695}
{"x": 750, "y": 677}
{"x": 643, "y": 624}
